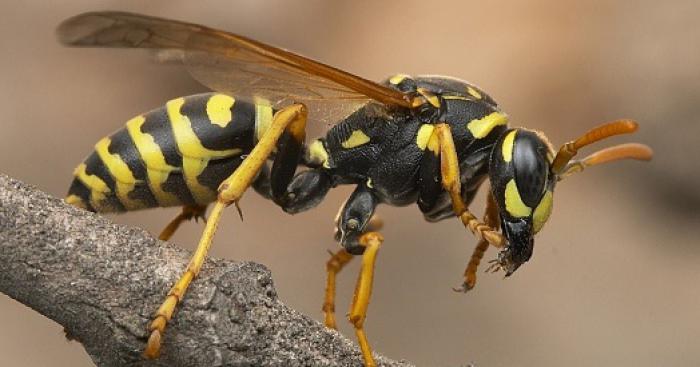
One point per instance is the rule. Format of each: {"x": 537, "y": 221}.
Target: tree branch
{"x": 103, "y": 282}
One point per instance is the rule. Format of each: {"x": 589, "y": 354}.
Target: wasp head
{"x": 524, "y": 169}
{"x": 522, "y": 184}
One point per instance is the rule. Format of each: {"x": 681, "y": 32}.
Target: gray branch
{"x": 103, "y": 281}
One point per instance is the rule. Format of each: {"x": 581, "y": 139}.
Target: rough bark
{"x": 103, "y": 281}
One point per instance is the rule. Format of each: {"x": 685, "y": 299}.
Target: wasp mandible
{"x": 429, "y": 140}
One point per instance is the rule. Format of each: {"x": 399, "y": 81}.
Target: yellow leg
{"x": 188, "y": 212}
{"x": 291, "y": 119}
{"x": 334, "y": 265}
{"x": 363, "y": 291}
{"x": 491, "y": 219}
{"x": 449, "y": 167}
{"x": 177, "y": 292}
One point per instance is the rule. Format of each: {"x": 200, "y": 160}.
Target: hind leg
{"x": 289, "y": 122}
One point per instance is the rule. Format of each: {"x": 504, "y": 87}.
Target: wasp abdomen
{"x": 174, "y": 155}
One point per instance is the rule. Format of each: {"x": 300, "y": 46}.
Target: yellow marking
{"x": 429, "y": 96}
{"x": 263, "y": 117}
{"x": 156, "y": 167}
{"x": 195, "y": 157}
{"x": 369, "y": 183}
{"x": 219, "y": 109}
{"x": 461, "y": 98}
{"x": 473, "y": 92}
{"x": 193, "y": 167}
{"x": 76, "y": 201}
{"x": 123, "y": 177}
{"x": 514, "y": 204}
{"x": 507, "y": 148}
{"x": 357, "y": 138}
{"x": 98, "y": 188}
{"x": 542, "y": 212}
{"x": 434, "y": 143}
{"x": 480, "y": 128}
{"x": 423, "y": 135}
{"x": 398, "y": 78}
{"x": 317, "y": 154}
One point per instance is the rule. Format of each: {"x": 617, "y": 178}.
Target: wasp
{"x": 425, "y": 140}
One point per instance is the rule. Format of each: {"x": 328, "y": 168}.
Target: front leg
{"x": 444, "y": 157}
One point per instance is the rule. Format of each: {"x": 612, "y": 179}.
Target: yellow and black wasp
{"x": 429, "y": 140}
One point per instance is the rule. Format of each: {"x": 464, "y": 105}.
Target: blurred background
{"x": 614, "y": 278}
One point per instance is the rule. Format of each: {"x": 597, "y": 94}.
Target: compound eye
{"x": 531, "y": 167}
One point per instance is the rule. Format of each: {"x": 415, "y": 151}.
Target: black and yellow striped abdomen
{"x": 175, "y": 155}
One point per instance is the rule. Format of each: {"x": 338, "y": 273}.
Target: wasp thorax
{"x": 522, "y": 185}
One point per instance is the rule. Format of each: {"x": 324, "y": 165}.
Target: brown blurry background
{"x": 615, "y": 276}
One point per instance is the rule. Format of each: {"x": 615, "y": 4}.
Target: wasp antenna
{"x": 569, "y": 150}
{"x": 635, "y": 151}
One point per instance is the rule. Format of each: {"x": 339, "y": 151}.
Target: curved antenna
{"x": 569, "y": 150}
{"x": 636, "y": 151}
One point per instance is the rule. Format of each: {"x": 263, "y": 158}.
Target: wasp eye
{"x": 531, "y": 167}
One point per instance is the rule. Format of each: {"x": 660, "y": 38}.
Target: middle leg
{"x": 335, "y": 264}
{"x": 355, "y": 231}
{"x": 370, "y": 241}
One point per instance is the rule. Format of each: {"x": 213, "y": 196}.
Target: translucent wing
{"x": 233, "y": 64}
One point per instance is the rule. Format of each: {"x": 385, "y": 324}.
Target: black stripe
{"x": 217, "y": 171}
{"x": 95, "y": 166}
{"x": 240, "y": 133}
{"x": 122, "y": 145}
{"x": 79, "y": 189}
{"x": 157, "y": 125}
{"x": 176, "y": 185}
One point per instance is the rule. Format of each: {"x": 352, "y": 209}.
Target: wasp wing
{"x": 233, "y": 64}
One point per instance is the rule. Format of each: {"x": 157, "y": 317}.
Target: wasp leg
{"x": 354, "y": 218}
{"x": 441, "y": 142}
{"x": 355, "y": 231}
{"x": 292, "y": 120}
{"x": 334, "y": 265}
{"x": 491, "y": 219}
{"x": 371, "y": 241}
{"x": 188, "y": 212}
